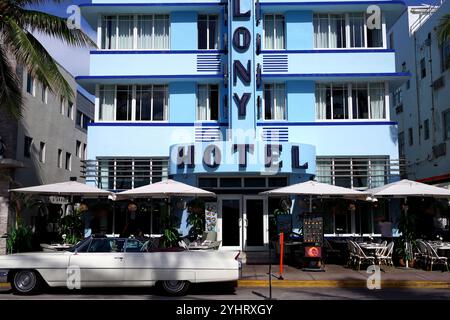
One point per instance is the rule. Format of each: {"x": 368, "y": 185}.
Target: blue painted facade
{"x": 299, "y": 67}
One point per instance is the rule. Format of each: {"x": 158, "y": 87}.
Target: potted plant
{"x": 407, "y": 241}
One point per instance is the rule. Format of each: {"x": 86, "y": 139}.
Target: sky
{"x": 76, "y": 60}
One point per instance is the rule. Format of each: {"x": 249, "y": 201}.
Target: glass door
{"x": 230, "y": 222}
{"x": 255, "y": 223}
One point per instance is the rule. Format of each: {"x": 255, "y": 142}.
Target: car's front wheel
{"x": 175, "y": 287}
{"x": 26, "y": 282}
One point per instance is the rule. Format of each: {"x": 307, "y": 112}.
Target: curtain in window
{"x": 159, "y": 102}
{"x": 213, "y": 27}
{"x": 269, "y": 29}
{"x": 143, "y": 103}
{"x": 321, "y": 31}
{"x": 125, "y": 32}
{"x": 356, "y": 22}
{"x": 109, "y": 32}
{"x": 202, "y": 102}
{"x": 161, "y": 32}
{"x": 377, "y": 173}
{"x": 280, "y": 102}
{"x": 321, "y": 101}
{"x": 376, "y": 95}
{"x": 107, "y": 96}
{"x": 324, "y": 171}
{"x": 145, "y": 30}
{"x": 279, "y": 30}
{"x": 337, "y": 31}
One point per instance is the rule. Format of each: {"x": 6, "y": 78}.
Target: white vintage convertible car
{"x": 117, "y": 262}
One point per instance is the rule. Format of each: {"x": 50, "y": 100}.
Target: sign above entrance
{"x": 257, "y": 157}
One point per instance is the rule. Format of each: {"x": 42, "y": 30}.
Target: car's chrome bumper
{"x": 3, "y": 276}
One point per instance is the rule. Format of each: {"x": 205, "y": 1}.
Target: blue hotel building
{"x": 242, "y": 96}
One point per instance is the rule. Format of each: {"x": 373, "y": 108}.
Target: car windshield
{"x": 80, "y": 246}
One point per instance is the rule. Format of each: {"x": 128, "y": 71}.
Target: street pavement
{"x": 215, "y": 292}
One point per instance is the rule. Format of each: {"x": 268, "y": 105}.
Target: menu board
{"x": 313, "y": 228}
{"x": 211, "y": 216}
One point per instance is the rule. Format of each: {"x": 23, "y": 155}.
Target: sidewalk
{"x": 340, "y": 276}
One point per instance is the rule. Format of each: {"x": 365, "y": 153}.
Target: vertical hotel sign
{"x": 242, "y": 73}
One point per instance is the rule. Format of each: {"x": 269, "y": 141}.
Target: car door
{"x": 102, "y": 263}
{"x": 138, "y": 269}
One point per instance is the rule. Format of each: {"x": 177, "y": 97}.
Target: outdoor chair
{"x": 361, "y": 257}
{"x": 422, "y": 254}
{"x": 383, "y": 249}
{"x": 351, "y": 254}
{"x": 386, "y": 256}
{"x": 435, "y": 258}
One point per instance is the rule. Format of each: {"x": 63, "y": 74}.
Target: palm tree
{"x": 444, "y": 29}
{"x": 17, "y": 24}
{"x": 443, "y": 33}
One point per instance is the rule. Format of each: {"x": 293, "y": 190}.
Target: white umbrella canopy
{"x": 164, "y": 189}
{"x": 314, "y": 188}
{"x": 70, "y": 188}
{"x": 408, "y": 188}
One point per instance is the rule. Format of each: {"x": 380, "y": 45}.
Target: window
{"x": 44, "y": 94}
{"x": 426, "y": 129}
{"x": 274, "y": 31}
{"x": 42, "y": 152}
{"x": 354, "y": 172}
{"x": 84, "y": 154}
{"x": 367, "y": 101}
{"x": 208, "y": 102}
{"x": 410, "y": 136}
{"x": 391, "y": 40}
{"x": 398, "y": 97}
{"x": 445, "y": 55}
{"x": 70, "y": 110}
{"x": 60, "y": 159}
{"x": 152, "y": 103}
{"x": 152, "y": 32}
{"x": 62, "y": 109}
{"x": 401, "y": 144}
{"x": 27, "y": 144}
{"x": 330, "y": 31}
{"x": 408, "y": 84}
{"x": 30, "y": 84}
{"x": 68, "y": 164}
{"x": 274, "y": 101}
{"x": 127, "y": 173}
{"x": 78, "y": 148}
{"x": 82, "y": 120}
{"x": 423, "y": 68}
{"x": 208, "y": 31}
{"x": 332, "y": 101}
{"x": 123, "y": 103}
{"x": 446, "y": 119}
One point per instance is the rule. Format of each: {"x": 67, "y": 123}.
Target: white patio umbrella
{"x": 408, "y": 188}
{"x": 314, "y": 188}
{"x": 164, "y": 189}
{"x": 70, "y": 188}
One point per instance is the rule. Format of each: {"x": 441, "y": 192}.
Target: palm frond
{"x": 10, "y": 89}
{"x": 28, "y": 51}
{"x": 444, "y": 29}
{"x": 53, "y": 26}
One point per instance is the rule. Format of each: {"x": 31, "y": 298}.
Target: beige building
{"x": 46, "y": 146}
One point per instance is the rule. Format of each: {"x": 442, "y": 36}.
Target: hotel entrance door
{"x": 243, "y": 222}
